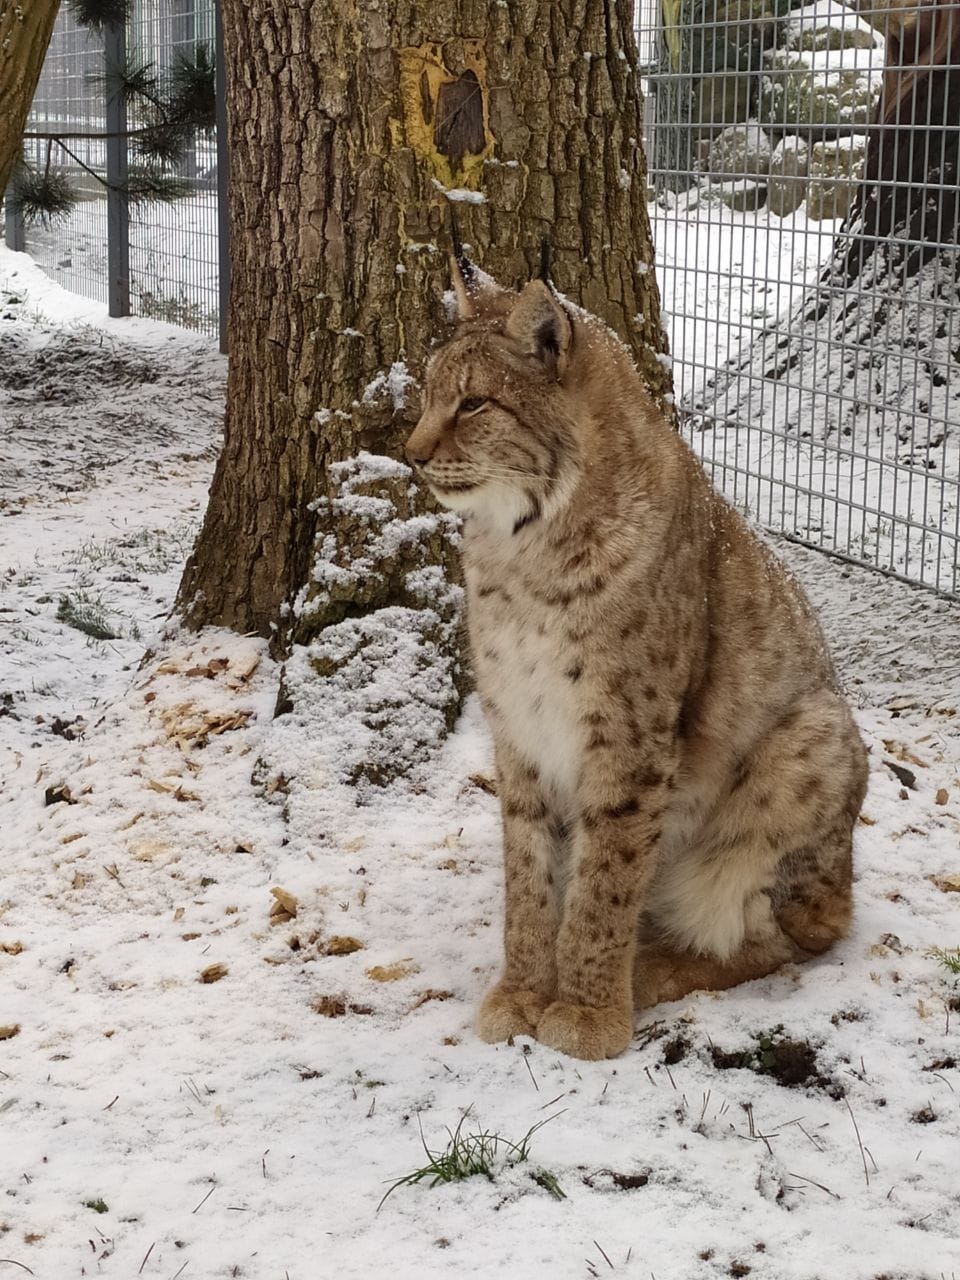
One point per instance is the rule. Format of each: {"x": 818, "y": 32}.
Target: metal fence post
{"x": 118, "y": 208}
{"x": 223, "y": 182}
{"x": 14, "y": 232}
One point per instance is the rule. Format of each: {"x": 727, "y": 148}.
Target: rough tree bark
{"x": 25, "y": 30}
{"x": 350, "y": 124}
{"x": 875, "y": 342}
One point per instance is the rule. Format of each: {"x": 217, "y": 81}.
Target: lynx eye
{"x": 471, "y": 404}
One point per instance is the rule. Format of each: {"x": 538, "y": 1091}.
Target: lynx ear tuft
{"x": 463, "y": 277}
{"x": 539, "y": 324}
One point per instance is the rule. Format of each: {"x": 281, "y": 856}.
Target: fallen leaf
{"x": 341, "y": 945}
{"x": 392, "y": 972}
{"x": 867, "y": 822}
{"x": 213, "y": 973}
{"x": 7, "y": 1033}
{"x": 947, "y": 884}
{"x": 942, "y": 796}
{"x": 11, "y": 948}
{"x": 489, "y": 785}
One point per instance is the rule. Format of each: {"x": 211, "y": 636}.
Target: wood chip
{"x": 392, "y": 972}
{"x": 334, "y": 1007}
{"x": 947, "y": 883}
{"x": 7, "y": 1033}
{"x": 11, "y": 948}
{"x": 329, "y": 1007}
{"x": 213, "y": 973}
{"x": 942, "y": 796}
{"x": 284, "y": 907}
{"x": 342, "y": 945}
{"x": 431, "y": 993}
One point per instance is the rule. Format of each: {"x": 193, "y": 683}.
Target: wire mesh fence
{"x": 70, "y": 99}
{"x": 171, "y": 258}
{"x": 173, "y": 247}
{"x": 804, "y": 161}
{"x": 805, "y": 190}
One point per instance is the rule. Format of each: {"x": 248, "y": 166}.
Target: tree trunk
{"x": 25, "y": 30}
{"x": 352, "y": 127}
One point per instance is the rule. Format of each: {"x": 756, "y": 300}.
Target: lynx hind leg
{"x": 662, "y": 973}
{"x": 769, "y": 880}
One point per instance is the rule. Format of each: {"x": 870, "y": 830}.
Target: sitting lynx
{"x": 679, "y": 775}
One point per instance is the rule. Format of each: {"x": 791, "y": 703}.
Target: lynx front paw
{"x": 507, "y": 1013}
{"x": 584, "y": 1032}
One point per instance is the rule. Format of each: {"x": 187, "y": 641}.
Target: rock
{"x": 787, "y": 180}
{"x": 743, "y": 196}
{"x": 834, "y": 175}
{"x": 741, "y": 151}
{"x": 826, "y": 75}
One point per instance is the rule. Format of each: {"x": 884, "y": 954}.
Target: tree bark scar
{"x": 445, "y": 112}
{"x": 459, "y": 128}
{"x": 426, "y": 102}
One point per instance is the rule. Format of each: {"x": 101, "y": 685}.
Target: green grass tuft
{"x": 88, "y": 616}
{"x": 948, "y": 957}
{"x": 468, "y": 1154}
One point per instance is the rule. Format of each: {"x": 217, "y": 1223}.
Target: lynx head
{"x": 497, "y": 436}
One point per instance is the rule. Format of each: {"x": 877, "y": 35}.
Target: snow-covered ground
{"x": 201, "y": 1077}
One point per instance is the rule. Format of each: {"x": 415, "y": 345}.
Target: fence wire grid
{"x": 172, "y": 262}
{"x": 804, "y": 161}
{"x": 803, "y": 168}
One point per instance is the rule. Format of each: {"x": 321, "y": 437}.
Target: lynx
{"x": 678, "y": 773}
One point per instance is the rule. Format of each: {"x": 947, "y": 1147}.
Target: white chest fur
{"x": 522, "y": 668}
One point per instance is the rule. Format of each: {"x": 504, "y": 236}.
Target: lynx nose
{"x": 421, "y": 445}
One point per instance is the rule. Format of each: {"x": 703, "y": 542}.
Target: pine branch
{"x": 164, "y": 143}
{"x": 193, "y": 88}
{"x": 148, "y": 182}
{"x": 97, "y": 14}
{"x": 128, "y": 82}
{"x": 40, "y": 198}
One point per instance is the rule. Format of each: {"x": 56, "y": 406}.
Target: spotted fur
{"x": 679, "y": 775}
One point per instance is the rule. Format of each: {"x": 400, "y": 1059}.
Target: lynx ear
{"x": 475, "y": 292}
{"x": 539, "y": 324}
